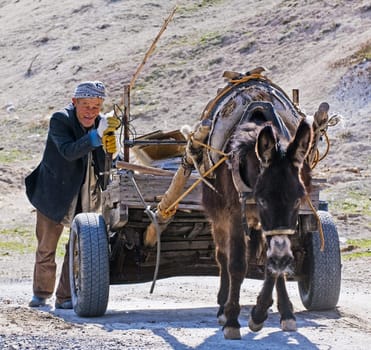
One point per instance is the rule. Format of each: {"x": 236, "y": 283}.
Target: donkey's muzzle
{"x": 279, "y": 255}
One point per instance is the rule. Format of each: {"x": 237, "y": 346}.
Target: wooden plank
{"x": 186, "y": 245}
{"x": 153, "y": 187}
{"x": 144, "y": 169}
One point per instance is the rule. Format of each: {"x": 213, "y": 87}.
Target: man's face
{"x": 87, "y": 110}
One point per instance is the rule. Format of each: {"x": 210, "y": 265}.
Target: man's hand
{"x": 113, "y": 123}
{"x": 109, "y": 142}
{"x": 108, "y": 124}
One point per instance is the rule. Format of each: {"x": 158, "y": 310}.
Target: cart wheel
{"x": 89, "y": 265}
{"x": 320, "y": 287}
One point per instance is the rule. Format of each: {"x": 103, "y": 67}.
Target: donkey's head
{"x": 279, "y": 191}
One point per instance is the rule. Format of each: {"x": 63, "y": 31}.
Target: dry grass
{"x": 363, "y": 53}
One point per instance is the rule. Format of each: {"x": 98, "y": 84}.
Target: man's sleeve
{"x": 63, "y": 135}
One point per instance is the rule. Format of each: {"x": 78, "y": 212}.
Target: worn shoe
{"x": 37, "y": 301}
{"x": 66, "y": 305}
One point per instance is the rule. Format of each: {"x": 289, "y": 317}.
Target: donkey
{"x": 274, "y": 169}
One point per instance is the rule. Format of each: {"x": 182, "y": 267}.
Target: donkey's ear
{"x": 266, "y": 146}
{"x": 299, "y": 147}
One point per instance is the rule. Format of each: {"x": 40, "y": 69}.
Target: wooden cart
{"x": 108, "y": 249}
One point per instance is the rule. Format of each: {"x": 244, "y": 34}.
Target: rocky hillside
{"x": 322, "y": 48}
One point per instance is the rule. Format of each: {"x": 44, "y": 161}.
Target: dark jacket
{"x": 58, "y": 178}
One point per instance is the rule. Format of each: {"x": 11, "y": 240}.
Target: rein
{"x": 171, "y": 209}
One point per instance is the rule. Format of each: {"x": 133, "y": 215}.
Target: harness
{"x": 237, "y": 103}
{"x": 244, "y": 95}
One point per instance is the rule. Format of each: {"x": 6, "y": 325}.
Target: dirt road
{"x": 181, "y": 314}
{"x": 319, "y": 47}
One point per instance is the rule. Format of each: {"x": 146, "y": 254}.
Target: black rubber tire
{"x": 89, "y": 265}
{"x": 320, "y": 288}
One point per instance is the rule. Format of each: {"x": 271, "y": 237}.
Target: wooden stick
{"x": 125, "y": 121}
{"x": 144, "y": 169}
{"x": 125, "y": 99}
{"x": 153, "y": 46}
{"x": 151, "y": 49}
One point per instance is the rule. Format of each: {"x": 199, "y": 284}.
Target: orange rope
{"x": 208, "y": 147}
{"x": 172, "y": 206}
{"x": 328, "y": 146}
{"x": 317, "y": 157}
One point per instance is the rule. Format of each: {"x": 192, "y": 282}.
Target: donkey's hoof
{"x": 222, "y": 320}
{"x": 255, "y": 327}
{"x": 231, "y": 333}
{"x": 150, "y": 236}
{"x": 288, "y": 325}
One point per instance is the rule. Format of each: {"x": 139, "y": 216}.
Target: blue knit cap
{"x": 90, "y": 89}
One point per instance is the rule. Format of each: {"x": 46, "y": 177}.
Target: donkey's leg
{"x": 259, "y": 312}
{"x": 224, "y": 285}
{"x": 237, "y": 264}
{"x": 288, "y": 320}
{"x": 220, "y": 238}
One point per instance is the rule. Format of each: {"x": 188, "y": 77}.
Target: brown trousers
{"x": 48, "y": 233}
